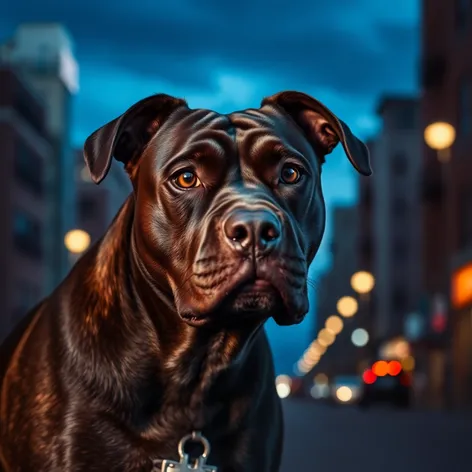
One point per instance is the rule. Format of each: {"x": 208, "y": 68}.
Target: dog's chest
{"x": 222, "y": 423}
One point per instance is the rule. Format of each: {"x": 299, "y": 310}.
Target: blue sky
{"x": 227, "y": 56}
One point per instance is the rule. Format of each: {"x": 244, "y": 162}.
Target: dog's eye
{"x": 187, "y": 180}
{"x": 290, "y": 175}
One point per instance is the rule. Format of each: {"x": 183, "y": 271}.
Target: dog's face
{"x": 229, "y": 208}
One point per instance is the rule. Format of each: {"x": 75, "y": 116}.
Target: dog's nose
{"x": 253, "y": 229}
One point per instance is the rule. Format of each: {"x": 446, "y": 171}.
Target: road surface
{"x": 344, "y": 439}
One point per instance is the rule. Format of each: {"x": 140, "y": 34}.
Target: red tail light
{"x": 369, "y": 377}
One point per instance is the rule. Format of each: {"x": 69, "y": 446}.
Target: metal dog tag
{"x": 184, "y": 466}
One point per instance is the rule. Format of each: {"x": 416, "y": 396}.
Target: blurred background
{"x": 379, "y": 376}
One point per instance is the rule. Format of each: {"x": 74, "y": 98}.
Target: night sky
{"x": 229, "y": 55}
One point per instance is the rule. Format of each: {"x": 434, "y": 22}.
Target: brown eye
{"x": 290, "y": 175}
{"x": 187, "y": 180}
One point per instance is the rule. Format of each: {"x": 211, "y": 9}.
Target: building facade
{"x": 27, "y": 152}
{"x": 43, "y": 54}
{"x": 396, "y": 214}
{"x": 446, "y": 95}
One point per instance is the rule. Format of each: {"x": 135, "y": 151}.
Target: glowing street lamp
{"x": 362, "y": 282}
{"x": 440, "y": 136}
{"x": 347, "y": 306}
{"x": 77, "y": 241}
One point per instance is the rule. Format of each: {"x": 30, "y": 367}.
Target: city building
{"x": 43, "y": 54}
{"x": 366, "y": 246}
{"x": 27, "y": 152}
{"x": 97, "y": 205}
{"x": 336, "y": 283}
{"x": 395, "y": 194}
{"x": 446, "y": 96}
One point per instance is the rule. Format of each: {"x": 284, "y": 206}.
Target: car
{"x": 386, "y": 382}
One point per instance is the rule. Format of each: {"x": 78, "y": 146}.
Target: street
{"x": 344, "y": 439}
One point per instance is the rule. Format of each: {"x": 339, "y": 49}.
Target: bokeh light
{"x": 408, "y": 364}
{"x": 362, "y": 282}
{"x": 360, "y": 337}
{"x": 369, "y": 377}
{"x": 334, "y": 324}
{"x": 347, "y": 306}
{"x": 394, "y": 368}
{"x": 321, "y": 378}
{"x": 77, "y": 241}
{"x": 326, "y": 337}
{"x": 283, "y": 385}
{"x": 380, "y": 368}
{"x": 344, "y": 394}
{"x": 440, "y": 135}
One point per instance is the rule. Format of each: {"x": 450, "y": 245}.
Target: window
{"x": 465, "y": 106}
{"x": 87, "y": 206}
{"x": 28, "y": 168}
{"x": 27, "y": 234}
{"x": 30, "y": 114}
{"x": 399, "y": 164}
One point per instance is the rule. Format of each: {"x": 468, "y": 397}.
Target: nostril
{"x": 269, "y": 232}
{"x": 238, "y": 233}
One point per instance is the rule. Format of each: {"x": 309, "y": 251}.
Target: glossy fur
{"x": 158, "y": 329}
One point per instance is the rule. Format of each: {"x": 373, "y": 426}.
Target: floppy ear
{"x": 323, "y": 129}
{"x": 126, "y": 136}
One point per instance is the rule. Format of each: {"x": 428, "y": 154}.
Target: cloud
{"x": 342, "y": 44}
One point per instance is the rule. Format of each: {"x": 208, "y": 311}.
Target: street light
{"x": 347, "y": 306}
{"x": 362, "y": 282}
{"x": 77, "y": 241}
{"x": 440, "y": 136}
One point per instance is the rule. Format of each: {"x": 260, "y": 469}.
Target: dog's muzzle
{"x": 252, "y": 232}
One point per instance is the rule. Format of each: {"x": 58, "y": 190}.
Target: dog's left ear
{"x": 126, "y": 136}
{"x": 323, "y": 129}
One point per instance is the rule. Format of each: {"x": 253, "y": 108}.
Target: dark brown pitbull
{"x": 158, "y": 329}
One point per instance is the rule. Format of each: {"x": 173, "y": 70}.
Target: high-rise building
{"x": 396, "y": 214}
{"x": 43, "y": 54}
{"x": 446, "y": 96}
{"x": 27, "y": 152}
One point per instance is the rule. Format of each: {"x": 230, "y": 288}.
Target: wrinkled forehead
{"x": 243, "y": 135}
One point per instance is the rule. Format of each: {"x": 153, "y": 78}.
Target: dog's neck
{"x": 154, "y": 350}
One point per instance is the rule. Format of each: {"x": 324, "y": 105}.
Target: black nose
{"x": 248, "y": 230}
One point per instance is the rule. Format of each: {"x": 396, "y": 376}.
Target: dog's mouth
{"x": 253, "y": 299}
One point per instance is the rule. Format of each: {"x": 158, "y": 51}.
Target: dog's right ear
{"x": 126, "y": 136}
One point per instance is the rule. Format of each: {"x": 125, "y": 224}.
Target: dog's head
{"x": 228, "y": 208}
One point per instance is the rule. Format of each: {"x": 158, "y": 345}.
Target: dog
{"x": 157, "y": 331}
